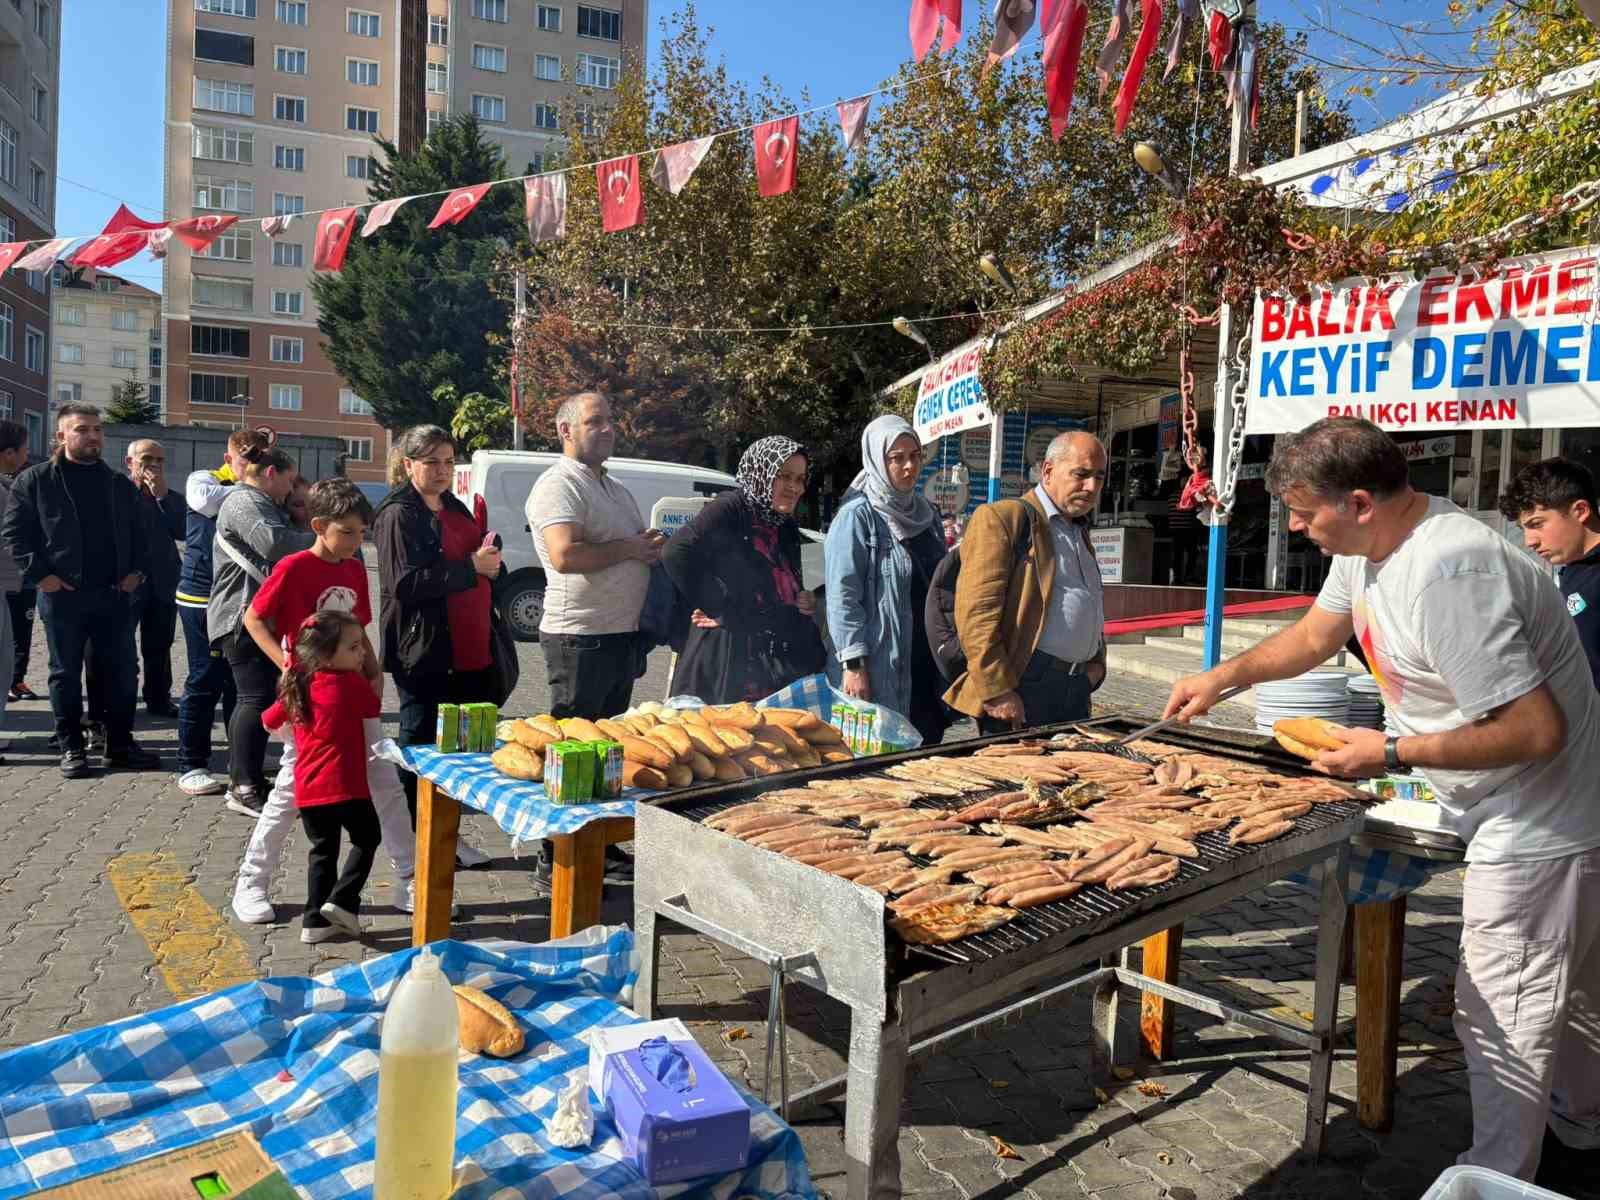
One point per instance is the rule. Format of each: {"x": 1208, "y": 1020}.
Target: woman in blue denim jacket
{"x": 881, "y": 552}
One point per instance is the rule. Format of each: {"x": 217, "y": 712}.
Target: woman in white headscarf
{"x": 882, "y": 549}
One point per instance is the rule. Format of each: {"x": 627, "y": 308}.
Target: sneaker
{"x": 408, "y": 902}
{"x": 246, "y": 801}
{"x": 74, "y": 764}
{"x": 200, "y": 782}
{"x": 94, "y": 736}
{"x": 252, "y": 907}
{"x": 133, "y": 758}
{"x": 344, "y": 919}
{"x": 20, "y": 692}
{"x": 312, "y": 934}
{"x": 468, "y": 857}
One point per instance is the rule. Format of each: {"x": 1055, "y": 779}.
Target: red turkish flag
{"x": 925, "y": 16}
{"x": 9, "y": 253}
{"x": 199, "y": 232}
{"x": 1219, "y": 35}
{"x": 1134, "y": 75}
{"x": 777, "y": 147}
{"x": 621, "y": 197}
{"x": 1063, "y": 47}
{"x": 123, "y": 237}
{"x": 333, "y": 239}
{"x": 458, "y": 204}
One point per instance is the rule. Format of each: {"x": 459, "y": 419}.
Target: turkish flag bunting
{"x": 275, "y": 226}
{"x": 123, "y": 237}
{"x": 1063, "y": 47}
{"x": 159, "y": 240}
{"x": 1149, "y": 32}
{"x": 547, "y": 207}
{"x": 1220, "y": 37}
{"x": 853, "y": 121}
{"x": 675, "y": 164}
{"x": 458, "y": 204}
{"x": 1188, "y": 12}
{"x": 9, "y": 253}
{"x": 43, "y": 258}
{"x": 382, "y": 213}
{"x": 621, "y": 197}
{"x": 333, "y": 239}
{"x": 925, "y": 16}
{"x": 1116, "y": 34}
{"x": 199, "y": 232}
{"x": 777, "y": 147}
{"x": 1012, "y": 20}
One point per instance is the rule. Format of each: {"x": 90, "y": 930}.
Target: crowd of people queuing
{"x": 1489, "y": 671}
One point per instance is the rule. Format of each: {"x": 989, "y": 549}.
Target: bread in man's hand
{"x": 487, "y": 1026}
{"x": 1308, "y": 737}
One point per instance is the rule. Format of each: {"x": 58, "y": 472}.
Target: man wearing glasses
{"x": 156, "y": 603}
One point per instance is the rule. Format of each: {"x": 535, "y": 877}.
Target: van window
{"x": 515, "y": 486}
{"x": 711, "y": 489}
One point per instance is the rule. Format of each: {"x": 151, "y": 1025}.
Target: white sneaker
{"x": 408, "y": 902}
{"x": 200, "y": 782}
{"x": 344, "y": 919}
{"x": 312, "y": 934}
{"x": 470, "y": 856}
{"x": 252, "y": 907}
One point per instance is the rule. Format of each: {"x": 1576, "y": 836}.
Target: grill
{"x": 828, "y": 933}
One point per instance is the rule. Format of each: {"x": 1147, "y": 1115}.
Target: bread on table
{"x": 518, "y": 762}
{"x": 487, "y": 1026}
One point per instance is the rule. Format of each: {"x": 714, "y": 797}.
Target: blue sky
{"x": 112, "y": 97}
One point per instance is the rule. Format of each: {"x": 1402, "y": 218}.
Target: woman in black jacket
{"x": 738, "y": 566}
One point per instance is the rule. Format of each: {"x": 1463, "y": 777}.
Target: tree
{"x": 477, "y": 422}
{"x": 413, "y": 307}
{"x": 131, "y": 404}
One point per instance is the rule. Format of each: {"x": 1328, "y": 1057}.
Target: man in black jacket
{"x": 156, "y": 603}
{"x": 77, "y": 530}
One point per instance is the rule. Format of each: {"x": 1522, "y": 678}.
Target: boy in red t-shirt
{"x": 327, "y": 577}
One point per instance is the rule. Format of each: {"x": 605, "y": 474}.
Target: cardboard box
{"x": 614, "y": 1038}
{"x": 672, "y": 1133}
{"x": 232, "y": 1165}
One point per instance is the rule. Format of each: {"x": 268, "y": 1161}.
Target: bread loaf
{"x": 737, "y": 740}
{"x": 743, "y": 714}
{"x": 545, "y": 723}
{"x": 836, "y": 755}
{"x": 702, "y": 766}
{"x": 487, "y": 1026}
{"x": 582, "y": 730}
{"x": 518, "y": 762}
{"x": 791, "y": 741}
{"x": 822, "y": 735}
{"x": 679, "y": 775}
{"x": 613, "y": 729}
{"x": 676, "y": 737}
{"x": 636, "y": 774}
{"x": 646, "y": 753}
{"x": 797, "y": 719}
{"x": 728, "y": 770}
{"x": 706, "y": 741}
{"x": 525, "y": 733}
{"x": 1307, "y": 737}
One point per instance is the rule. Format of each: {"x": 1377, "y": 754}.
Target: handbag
{"x": 505, "y": 668}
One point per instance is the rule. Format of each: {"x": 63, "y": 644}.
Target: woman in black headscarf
{"x": 738, "y": 566}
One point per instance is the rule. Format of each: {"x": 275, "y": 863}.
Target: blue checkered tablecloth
{"x": 295, "y": 1061}
{"x": 1378, "y": 875}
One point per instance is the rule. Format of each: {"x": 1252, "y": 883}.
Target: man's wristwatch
{"x": 855, "y": 664}
{"x": 1391, "y": 753}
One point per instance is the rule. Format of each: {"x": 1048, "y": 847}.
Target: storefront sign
{"x": 1520, "y": 349}
{"x": 1012, "y": 486}
{"x": 1039, "y": 439}
{"x": 672, "y": 513}
{"x": 948, "y": 489}
{"x": 975, "y": 449}
{"x": 950, "y": 398}
{"x": 1170, "y": 421}
{"x": 1439, "y": 447}
{"x": 1108, "y": 547}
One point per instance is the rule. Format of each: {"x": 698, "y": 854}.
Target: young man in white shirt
{"x": 1485, "y": 678}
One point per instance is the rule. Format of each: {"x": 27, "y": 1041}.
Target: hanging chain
{"x": 1191, "y": 418}
{"x": 1238, "y": 399}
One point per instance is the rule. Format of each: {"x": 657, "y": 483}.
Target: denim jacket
{"x": 869, "y": 601}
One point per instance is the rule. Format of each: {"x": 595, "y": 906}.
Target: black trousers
{"x": 590, "y": 677}
{"x": 325, "y": 880}
{"x": 76, "y": 623}
{"x": 1049, "y": 695}
{"x": 158, "y": 626}
{"x": 420, "y": 697}
{"x": 22, "y": 607}
{"x": 256, "y": 680}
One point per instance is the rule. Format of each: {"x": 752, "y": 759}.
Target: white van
{"x": 495, "y": 486}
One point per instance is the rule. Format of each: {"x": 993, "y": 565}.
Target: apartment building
{"x": 30, "y": 73}
{"x": 105, "y": 331}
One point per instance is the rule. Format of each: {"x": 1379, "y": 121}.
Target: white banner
{"x": 1450, "y": 352}
{"x": 950, "y": 398}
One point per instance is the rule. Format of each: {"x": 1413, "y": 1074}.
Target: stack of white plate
{"x": 1366, "y": 702}
{"x": 1322, "y": 694}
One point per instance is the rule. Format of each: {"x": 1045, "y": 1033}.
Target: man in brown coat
{"x": 1032, "y": 626}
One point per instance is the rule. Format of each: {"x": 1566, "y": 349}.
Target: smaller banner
{"x": 382, "y": 213}
{"x": 676, "y": 164}
{"x": 621, "y": 197}
{"x": 44, "y": 257}
{"x": 853, "y": 120}
{"x": 950, "y": 398}
{"x": 546, "y": 207}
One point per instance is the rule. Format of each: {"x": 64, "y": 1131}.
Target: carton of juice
{"x": 844, "y": 720}
{"x": 450, "y": 729}
{"x": 608, "y": 770}
{"x": 569, "y": 772}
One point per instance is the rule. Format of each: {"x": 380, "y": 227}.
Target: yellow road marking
{"x": 192, "y": 943}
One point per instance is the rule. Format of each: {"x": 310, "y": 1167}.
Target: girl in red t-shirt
{"x": 324, "y": 694}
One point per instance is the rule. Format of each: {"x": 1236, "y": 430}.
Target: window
{"x": 213, "y": 45}
{"x": 8, "y": 229}
{"x": 155, "y": 362}
{"x": 362, "y": 24}
{"x": 438, "y": 31}
{"x": 292, "y": 12}
{"x": 438, "y": 78}
{"x": 362, "y": 72}
{"x": 352, "y": 405}
{"x": 155, "y": 397}
{"x": 69, "y": 314}
{"x": 107, "y": 283}
{"x": 223, "y": 95}
{"x": 535, "y": 165}
{"x": 228, "y": 8}
{"x": 69, "y": 393}
{"x": 35, "y": 423}
{"x": 235, "y": 245}
{"x": 8, "y": 155}
{"x": 41, "y": 105}
{"x": 290, "y": 60}
{"x": 125, "y": 320}
{"x": 358, "y": 166}
{"x": 489, "y": 108}
{"x": 224, "y": 195}
{"x": 41, "y": 20}
{"x": 546, "y": 116}
{"x": 38, "y": 187}
{"x": 288, "y": 350}
{"x": 597, "y": 71}
{"x": 69, "y": 352}
{"x": 435, "y": 119}
{"x": 124, "y": 356}
{"x": 490, "y": 10}
{"x": 547, "y": 66}
{"x": 358, "y": 449}
{"x": 549, "y": 18}
{"x": 289, "y": 158}
{"x": 218, "y": 389}
{"x": 288, "y": 254}
{"x": 211, "y": 291}
{"x": 289, "y": 304}
{"x": 286, "y": 202}
{"x": 36, "y": 280}
{"x": 285, "y": 396}
{"x": 489, "y": 58}
{"x": 289, "y": 108}
{"x": 589, "y": 119}
{"x": 360, "y": 120}
{"x": 222, "y": 341}
{"x": 33, "y": 349}
{"x": 8, "y": 331}
{"x": 600, "y": 23}
{"x": 8, "y": 406}
{"x": 224, "y": 145}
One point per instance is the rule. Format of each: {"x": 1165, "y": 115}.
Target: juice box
{"x": 608, "y": 770}
{"x": 569, "y": 772}
{"x": 844, "y": 720}
{"x": 481, "y": 720}
{"x": 451, "y": 729}
{"x": 867, "y": 733}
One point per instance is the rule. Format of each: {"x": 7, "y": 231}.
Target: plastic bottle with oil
{"x": 417, "y": 1087}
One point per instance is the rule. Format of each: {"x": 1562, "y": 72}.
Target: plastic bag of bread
{"x": 487, "y": 1026}
{"x": 1308, "y": 737}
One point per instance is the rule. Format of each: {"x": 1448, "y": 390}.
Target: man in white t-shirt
{"x": 597, "y": 555}
{"x": 1487, "y": 682}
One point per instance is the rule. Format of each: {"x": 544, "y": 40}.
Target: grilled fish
{"x": 1147, "y": 872}
{"x": 935, "y": 893}
{"x": 915, "y": 831}
{"x": 950, "y": 922}
{"x": 990, "y": 856}
{"x": 1098, "y": 870}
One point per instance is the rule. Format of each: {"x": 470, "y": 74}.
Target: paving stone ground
{"x": 1225, "y": 1119}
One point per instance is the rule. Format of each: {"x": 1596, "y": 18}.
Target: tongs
{"x": 1169, "y": 722}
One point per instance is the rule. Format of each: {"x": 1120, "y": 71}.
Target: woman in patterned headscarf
{"x": 738, "y": 566}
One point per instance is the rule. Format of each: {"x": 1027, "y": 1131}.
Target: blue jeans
{"x": 209, "y": 682}
{"x": 73, "y": 623}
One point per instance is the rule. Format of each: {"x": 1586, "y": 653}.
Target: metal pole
{"x": 997, "y": 442}
{"x": 516, "y": 360}
{"x": 1222, "y": 414}
{"x": 1299, "y": 122}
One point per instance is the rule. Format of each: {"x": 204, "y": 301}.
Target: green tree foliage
{"x": 414, "y": 308}
{"x": 131, "y": 404}
{"x": 477, "y": 422}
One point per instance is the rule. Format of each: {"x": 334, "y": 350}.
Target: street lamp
{"x": 907, "y": 330}
{"x": 991, "y": 266}
{"x": 1151, "y": 163}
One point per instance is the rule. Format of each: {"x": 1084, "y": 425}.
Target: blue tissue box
{"x": 670, "y": 1135}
